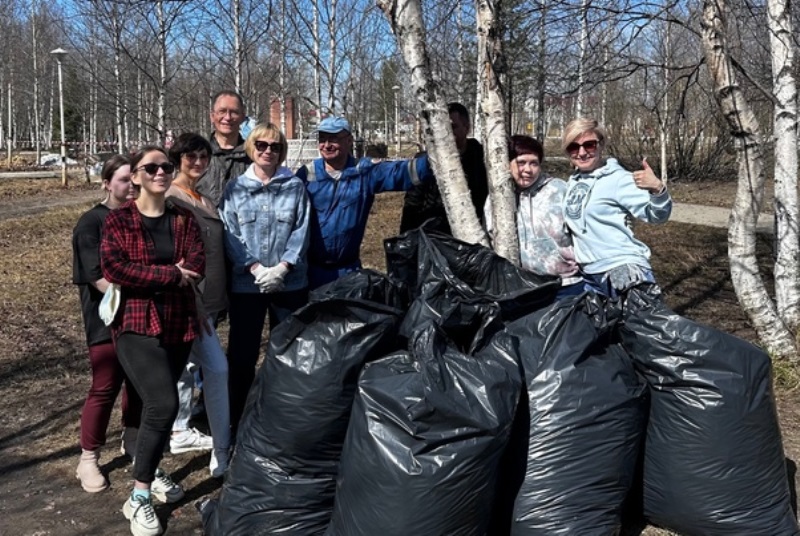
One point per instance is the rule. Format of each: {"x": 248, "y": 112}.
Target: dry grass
{"x": 19, "y": 188}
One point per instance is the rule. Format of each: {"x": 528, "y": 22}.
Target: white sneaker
{"x": 220, "y": 458}
{"x": 189, "y": 440}
{"x": 144, "y": 521}
{"x": 164, "y": 489}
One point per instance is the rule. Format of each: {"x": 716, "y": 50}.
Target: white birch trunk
{"x": 11, "y": 123}
{"x": 118, "y": 81}
{"x": 664, "y": 123}
{"x": 582, "y": 59}
{"x": 749, "y": 286}
{"x": 2, "y": 112}
{"x": 541, "y": 122}
{"x": 462, "y": 63}
{"x": 787, "y": 263}
{"x": 405, "y": 18}
{"x": 50, "y": 120}
{"x": 238, "y": 49}
{"x": 317, "y": 61}
{"x": 332, "y": 57}
{"x": 36, "y": 111}
{"x": 282, "y": 73}
{"x": 501, "y": 188}
{"x": 162, "y": 72}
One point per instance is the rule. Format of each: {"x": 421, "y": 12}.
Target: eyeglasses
{"x": 262, "y": 146}
{"x": 588, "y": 145}
{"x": 224, "y": 111}
{"x": 195, "y": 156}
{"x": 152, "y": 168}
{"x": 331, "y": 138}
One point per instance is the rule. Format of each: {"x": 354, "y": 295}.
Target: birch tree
{"x": 787, "y": 262}
{"x": 773, "y": 331}
{"x": 405, "y": 18}
{"x": 501, "y": 189}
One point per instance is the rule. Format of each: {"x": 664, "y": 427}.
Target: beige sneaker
{"x": 88, "y": 472}
{"x": 144, "y": 521}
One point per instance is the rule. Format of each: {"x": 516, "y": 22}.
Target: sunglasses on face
{"x": 588, "y": 145}
{"x": 152, "y": 168}
{"x": 262, "y": 146}
{"x": 331, "y": 138}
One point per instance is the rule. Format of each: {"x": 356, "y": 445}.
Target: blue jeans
{"x": 600, "y": 284}
{"x": 207, "y": 354}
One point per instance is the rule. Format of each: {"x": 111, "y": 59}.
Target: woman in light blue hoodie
{"x": 266, "y": 214}
{"x": 602, "y": 198}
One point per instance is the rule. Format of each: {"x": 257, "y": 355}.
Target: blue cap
{"x": 334, "y": 125}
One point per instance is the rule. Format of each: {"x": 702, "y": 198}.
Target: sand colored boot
{"x": 88, "y": 472}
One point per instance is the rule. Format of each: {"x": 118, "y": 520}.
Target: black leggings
{"x": 153, "y": 368}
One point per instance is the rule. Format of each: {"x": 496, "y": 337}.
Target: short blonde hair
{"x": 578, "y": 127}
{"x": 266, "y": 130}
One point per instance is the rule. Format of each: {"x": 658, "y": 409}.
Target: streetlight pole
{"x": 59, "y": 53}
{"x": 396, "y": 126}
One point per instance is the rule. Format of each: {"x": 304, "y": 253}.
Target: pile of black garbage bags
{"x": 454, "y": 397}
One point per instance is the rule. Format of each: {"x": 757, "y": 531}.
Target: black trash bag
{"x": 427, "y": 431}
{"x": 714, "y": 462}
{"x": 282, "y": 477}
{"x": 363, "y": 285}
{"x": 587, "y": 409}
{"x": 438, "y": 270}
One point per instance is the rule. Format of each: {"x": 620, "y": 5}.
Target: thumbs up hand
{"x": 646, "y": 179}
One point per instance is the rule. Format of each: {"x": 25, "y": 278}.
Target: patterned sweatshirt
{"x": 545, "y": 246}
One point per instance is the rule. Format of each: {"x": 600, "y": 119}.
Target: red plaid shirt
{"x": 127, "y": 256}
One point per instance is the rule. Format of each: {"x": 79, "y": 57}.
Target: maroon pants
{"x": 107, "y": 380}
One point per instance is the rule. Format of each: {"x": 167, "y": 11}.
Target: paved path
{"x": 42, "y": 174}
{"x": 31, "y": 206}
{"x": 714, "y": 217}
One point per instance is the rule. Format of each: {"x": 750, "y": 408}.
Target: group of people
{"x": 579, "y": 230}
{"x": 219, "y": 225}
{"x": 210, "y": 227}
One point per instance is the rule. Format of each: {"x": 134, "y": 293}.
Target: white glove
{"x": 271, "y": 280}
{"x": 258, "y": 270}
{"x": 626, "y": 276}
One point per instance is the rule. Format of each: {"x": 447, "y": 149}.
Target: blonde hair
{"x": 266, "y": 130}
{"x": 578, "y": 127}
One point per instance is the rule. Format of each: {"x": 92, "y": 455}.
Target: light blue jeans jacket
{"x": 266, "y": 224}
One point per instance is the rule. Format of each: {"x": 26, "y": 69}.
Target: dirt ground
{"x": 44, "y": 372}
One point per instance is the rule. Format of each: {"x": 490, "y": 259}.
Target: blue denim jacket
{"x": 266, "y": 224}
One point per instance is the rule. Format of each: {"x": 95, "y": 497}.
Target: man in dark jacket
{"x": 424, "y": 202}
{"x": 228, "y": 158}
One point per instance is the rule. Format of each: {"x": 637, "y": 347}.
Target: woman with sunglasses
{"x": 601, "y": 199}
{"x": 107, "y": 373}
{"x": 153, "y": 250}
{"x": 190, "y": 154}
{"x": 266, "y": 215}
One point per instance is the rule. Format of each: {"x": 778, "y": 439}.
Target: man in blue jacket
{"x": 342, "y": 190}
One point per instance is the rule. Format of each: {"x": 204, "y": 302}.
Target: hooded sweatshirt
{"x": 545, "y": 247}
{"x": 596, "y": 209}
